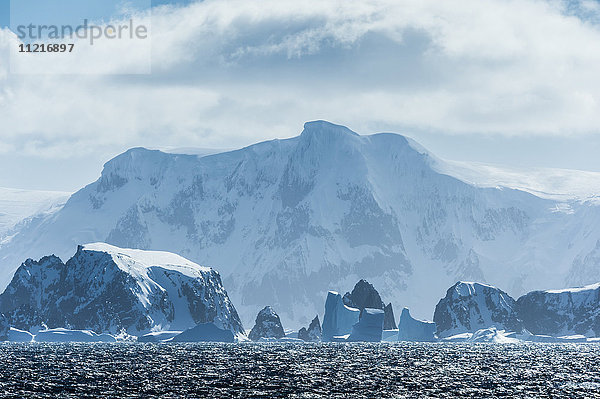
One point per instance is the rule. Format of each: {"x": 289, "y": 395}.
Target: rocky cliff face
{"x": 468, "y": 307}
{"x": 267, "y": 325}
{"x": 4, "y": 327}
{"x": 108, "y": 289}
{"x": 562, "y": 312}
{"x": 313, "y": 333}
{"x": 364, "y": 295}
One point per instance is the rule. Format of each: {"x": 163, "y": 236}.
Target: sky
{"x": 510, "y": 82}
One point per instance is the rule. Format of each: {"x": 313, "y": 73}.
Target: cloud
{"x": 229, "y": 73}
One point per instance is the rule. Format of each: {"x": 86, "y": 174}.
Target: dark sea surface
{"x": 387, "y": 370}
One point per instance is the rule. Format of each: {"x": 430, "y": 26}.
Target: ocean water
{"x": 387, "y": 370}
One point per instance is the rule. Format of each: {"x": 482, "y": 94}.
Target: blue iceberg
{"x": 339, "y": 318}
{"x": 369, "y": 328}
{"x": 410, "y": 329}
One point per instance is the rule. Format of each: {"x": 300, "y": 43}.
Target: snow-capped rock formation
{"x": 562, "y": 312}
{"x": 364, "y": 295}
{"x": 286, "y": 220}
{"x": 205, "y": 332}
{"x": 369, "y": 328}
{"x": 410, "y": 329}
{"x": 468, "y": 307}
{"x": 107, "y": 289}
{"x": 339, "y": 318}
{"x": 313, "y": 333}
{"x": 267, "y": 325}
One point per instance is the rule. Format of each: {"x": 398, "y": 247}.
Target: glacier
{"x": 285, "y": 221}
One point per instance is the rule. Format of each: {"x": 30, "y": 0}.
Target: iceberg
{"x": 493, "y": 335}
{"x": 65, "y": 335}
{"x": 15, "y": 335}
{"x": 410, "y": 329}
{"x": 339, "y": 318}
{"x": 205, "y": 332}
{"x": 369, "y": 328}
{"x": 158, "y": 336}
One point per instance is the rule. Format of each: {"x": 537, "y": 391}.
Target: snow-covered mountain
{"x": 285, "y": 221}
{"x": 562, "y": 312}
{"x": 17, "y": 205}
{"x": 468, "y": 307}
{"x": 108, "y": 289}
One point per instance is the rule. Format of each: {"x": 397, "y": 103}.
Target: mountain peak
{"x": 324, "y": 128}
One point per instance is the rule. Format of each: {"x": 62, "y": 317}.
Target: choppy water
{"x": 299, "y": 371}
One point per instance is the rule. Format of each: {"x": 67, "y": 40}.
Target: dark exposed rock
{"x": 562, "y": 312}
{"x": 108, "y": 289}
{"x": 364, "y": 295}
{"x": 313, "y": 333}
{"x": 4, "y": 327}
{"x": 267, "y": 325}
{"x": 468, "y": 307}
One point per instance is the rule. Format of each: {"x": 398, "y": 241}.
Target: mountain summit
{"x": 285, "y": 221}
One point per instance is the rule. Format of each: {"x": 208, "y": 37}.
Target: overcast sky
{"x": 513, "y": 82}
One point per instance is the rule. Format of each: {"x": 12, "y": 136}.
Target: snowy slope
{"x": 16, "y": 205}
{"x": 559, "y": 184}
{"x": 285, "y": 221}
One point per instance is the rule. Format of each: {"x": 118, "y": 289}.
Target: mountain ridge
{"x": 285, "y": 221}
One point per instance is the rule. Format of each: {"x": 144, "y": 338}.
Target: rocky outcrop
{"x": 562, "y": 312}
{"x": 410, "y": 329}
{"x": 313, "y": 333}
{"x": 339, "y": 318}
{"x": 364, "y": 295}
{"x": 108, "y": 289}
{"x": 4, "y": 328}
{"x": 468, "y": 307}
{"x": 268, "y": 325}
{"x": 369, "y": 328}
